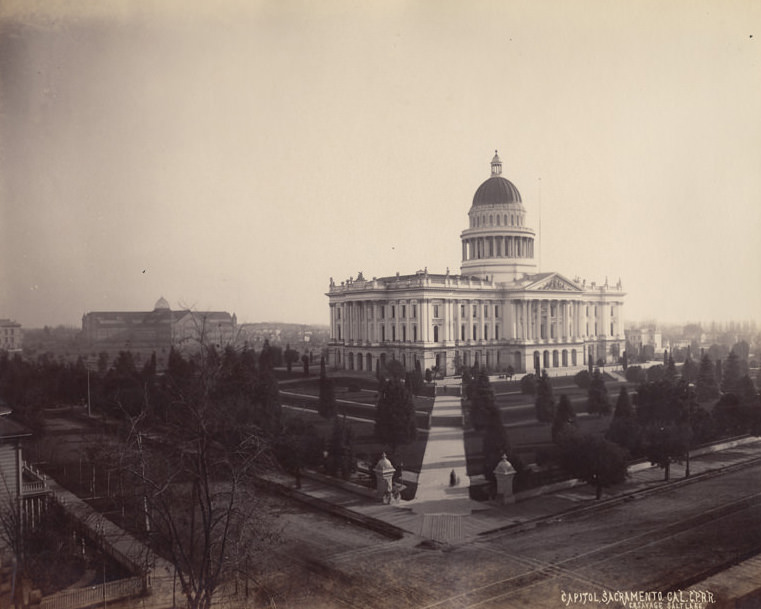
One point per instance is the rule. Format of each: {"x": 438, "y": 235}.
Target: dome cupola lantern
{"x": 497, "y": 245}
{"x": 496, "y": 166}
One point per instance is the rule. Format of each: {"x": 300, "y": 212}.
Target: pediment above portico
{"x": 553, "y": 282}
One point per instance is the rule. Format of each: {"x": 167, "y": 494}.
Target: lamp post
{"x": 690, "y": 387}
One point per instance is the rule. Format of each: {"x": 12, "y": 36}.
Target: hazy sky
{"x": 237, "y": 158}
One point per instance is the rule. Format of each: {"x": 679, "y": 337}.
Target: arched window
{"x": 546, "y": 359}
{"x": 555, "y": 359}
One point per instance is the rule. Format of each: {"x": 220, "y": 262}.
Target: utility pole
{"x": 89, "y": 409}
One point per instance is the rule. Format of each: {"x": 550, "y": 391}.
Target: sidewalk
{"x": 447, "y": 515}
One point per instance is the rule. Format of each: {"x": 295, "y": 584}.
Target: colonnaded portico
{"x": 499, "y": 312}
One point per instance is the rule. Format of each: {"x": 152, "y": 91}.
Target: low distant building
{"x": 638, "y": 338}
{"x": 11, "y": 336}
{"x": 157, "y": 331}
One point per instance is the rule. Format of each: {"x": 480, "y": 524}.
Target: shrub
{"x": 528, "y": 384}
{"x": 582, "y": 379}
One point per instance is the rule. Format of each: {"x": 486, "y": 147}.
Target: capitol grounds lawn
{"x": 357, "y": 394}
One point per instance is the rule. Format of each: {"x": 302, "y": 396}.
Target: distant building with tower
{"x": 159, "y": 330}
{"x": 499, "y": 311}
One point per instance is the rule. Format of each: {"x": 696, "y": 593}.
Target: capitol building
{"x": 499, "y": 311}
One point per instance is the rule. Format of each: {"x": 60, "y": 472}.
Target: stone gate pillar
{"x": 504, "y": 472}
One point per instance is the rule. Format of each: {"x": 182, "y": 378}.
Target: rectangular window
{"x": 475, "y": 331}
{"x": 611, "y": 329}
{"x": 486, "y": 311}
{"x": 393, "y": 311}
{"x": 462, "y": 310}
{"x": 414, "y": 311}
{"x": 383, "y": 333}
{"x": 475, "y": 311}
{"x": 383, "y": 311}
{"x": 486, "y": 332}
{"x": 414, "y": 333}
{"x": 496, "y": 310}
{"x": 404, "y": 333}
{"x": 404, "y": 311}
{"x": 496, "y": 336}
{"x": 462, "y": 332}
{"x": 436, "y": 311}
{"x": 338, "y": 313}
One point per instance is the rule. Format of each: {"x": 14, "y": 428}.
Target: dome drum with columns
{"x": 498, "y": 312}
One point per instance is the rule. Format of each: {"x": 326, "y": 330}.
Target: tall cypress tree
{"x": 598, "y": 395}
{"x": 395, "y": 414}
{"x": 326, "y": 404}
{"x": 707, "y": 388}
{"x": 545, "y": 401}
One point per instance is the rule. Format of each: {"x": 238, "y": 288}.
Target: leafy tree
{"x": 707, "y": 387}
{"x": 395, "y": 414}
{"x": 656, "y": 403}
{"x": 528, "y": 384}
{"x": 730, "y": 381}
{"x": 565, "y": 418}
{"x": 635, "y": 374}
{"x": 655, "y": 373}
{"x": 582, "y": 379}
{"x": 593, "y": 459}
{"x": 545, "y": 401}
{"x": 326, "y": 404}
{"x": 669, "y": 372}
{"x": 597, "y": 396}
